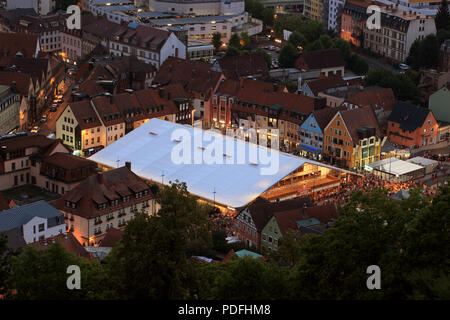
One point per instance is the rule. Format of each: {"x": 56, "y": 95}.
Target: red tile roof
{"x": 102, "y": 188}
{"x": 192, "y": 75}
{"x": 23, "y": 81}
{"x": 112, "y": 236}
{"x": 323, "y": 83}
{"x": 6, "y": 203}
{"x": 324, "y": 116}
{"x": 143, "y": 36}
{"x": 68, "y": 161}
{"x": 13, "y": 43}
{"x": 375, "y": 97}
{"x": 68, "y": 241}
{"x": 236, "y": 67}
{"x": 84, "y": 113}
{"x": 360, "y": 117}
{"x": 320, "y": 59}
{"x": 29, "y": 140}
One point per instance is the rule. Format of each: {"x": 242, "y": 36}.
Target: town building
{"x": 353, "y": 19}
{"x": 10, "y": 102}
{"x": 353, "y": 139}
{"x": 149, "y": 44}
{"x": 438, "y": 104}
{"x": 303, "y": 220}
{"x": 106, "y": 200}
{"x": 66, "y": 240}
{"x": 9, "y": 17}
{"x": 251, "y": 220}
{"x": 321, "y": 62}
{"x": 33, "y": 222}
{"x": 199, "y": 50}
{"x": 311, "y": 132}
{"x": 48, "y": 28}
{"x": 48, "y": 77}
{"x": 256, "y": 105}
{"x": 332, "y": 14}
{"x": 196, "y": 77}
{"x": 200, "y": 8}
{"x": 412, "y": 126}
{"x": 249, "y": 65}
{"x": 90, "y": 125}
{"x": 313, "y": 9}
{"x": 16, "y": 151}
{"x": 42, "y": 7}
{"x": 60, "y": 172}
{"x": 19, "y": 45}
{"x": 444, "y": 56}
{"x": 399, "y": 29}
{"x": 328, "y": 86}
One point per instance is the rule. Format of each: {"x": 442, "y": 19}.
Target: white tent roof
{"x": 422, "y": 161}
{"x": 395, "y": 166}
{"x": 149, "y": 148}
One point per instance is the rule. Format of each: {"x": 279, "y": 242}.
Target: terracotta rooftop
{"x": 320, "y": 59}
{"x": 14, "y": 44}
{"x": 11, "y": 144}
{"x": 142, "y": 36}
{"x": 68, "y": 161}
{"x": 324, "y": 116}
{"x": 192, "y": 75}
{"x": 358, "y": 118}
{"x": 375, "y": 97}
{"x": 68, "y": 241}
{"x": 84, "y": 113}
{"x": 22, "y": 80}
{"x": 112, "y": 236}
{"x": 245, "y": 65}
{"x": 101, "y": 189}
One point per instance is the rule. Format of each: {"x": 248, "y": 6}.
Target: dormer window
{"x": 101, "y": 206}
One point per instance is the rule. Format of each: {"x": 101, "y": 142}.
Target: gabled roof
{"x": 320, "y": 59}
{"x": 192, "y": 75}
{"x": 68, "y": 161}
{"x": 261, "y": 210}
{"x": 102, "y": 188}
{"x": 84, "y": 113}
{"x": 375, "y": 97}
{"x": 12, "y": 44}
{"x": 111, "y": 238}
{"x": 23, "y": 141}
{"x": 358, "y": 118}
{"x": 409, "y": 116}
{"x": 236, "y": 67}
{"x": 23, "y": 81}
{"x": 324, "y": 116}
{"x": 67, "y": 240}
{"x": 141, "y": 36}
{"x": 20, "y": 215}
{"x": 323, "y": 83}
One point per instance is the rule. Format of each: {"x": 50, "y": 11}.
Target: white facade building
{"x": 199, "y": 7}
{"x": 42, "y": 7}
{"x": 334, "y": 13}
{"x": 35, "y": 221}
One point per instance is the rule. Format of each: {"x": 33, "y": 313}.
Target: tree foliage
{"x": 403, "y": 87}
{"x": 217, "y": 40}
{"x": 152, "y": 259}
{"x": 442, "y": 18}
{"x": 424, "y": 53}
{"x": 288, "y": 55}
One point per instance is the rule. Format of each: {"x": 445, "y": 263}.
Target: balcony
{"x": 109, "y": 218}
{"x": 97, "y": 233}
{"x": 98, "y": 222}
{"x": 121, "y": 214}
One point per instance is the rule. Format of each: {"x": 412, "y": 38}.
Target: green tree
{"x": 235, "y": 41}
{"x": 217, "y": 40}
{"x": 424, "y": 53}
{"x": 242, "y": 279}
{"x": 288, "y": 55}
{"x": 358, "y": 65}
{"x": 326, "y": 41}
{"x": 297, "y": 40}
{"x": 442, "y": 18}
{"x": 42, "y": 274}
{"x": 232, "y": 52}
{"x": 316, "y": 45}
{"x": 344, "y": 47}
{"x": 153, "y": 258}
{"x": 267, "y": 16}
{"x": 245, "y": 41}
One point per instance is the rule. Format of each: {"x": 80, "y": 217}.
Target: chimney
{"x": 91, "y": 66}
{"x": 168, "y": 95}
{"x": 161, "y": 92}
{"x": 100, "y": 177}
{"x": 128, "y": 165}
{"x": 14, "y": 86}
{"x": 275, "y": 87}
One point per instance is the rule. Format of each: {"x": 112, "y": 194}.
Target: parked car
{"x": 44, "y": 118}
{"x": 403, "y": 66}
{"x": 53, "y": 108}
{"x": 35, "y": 129}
